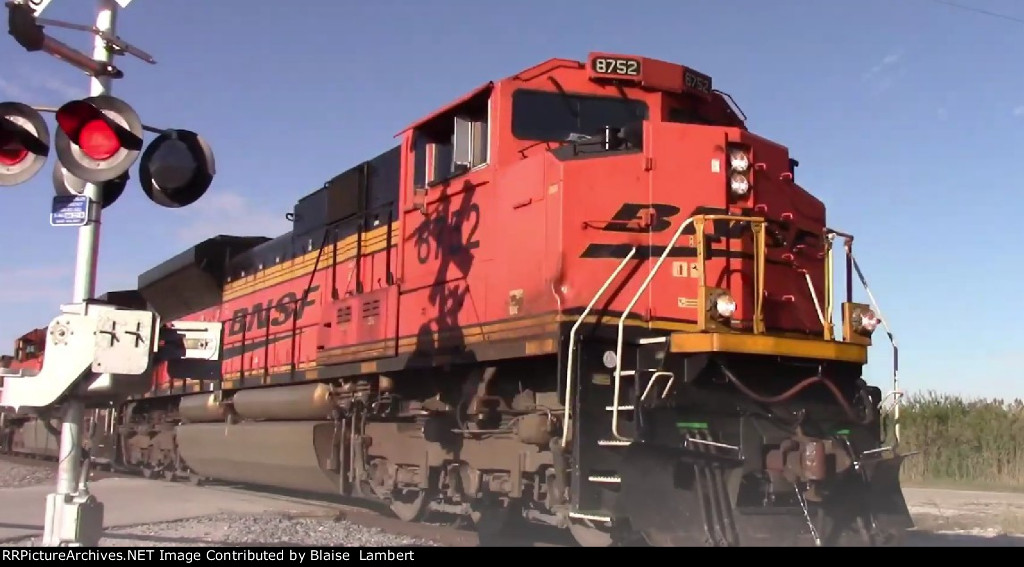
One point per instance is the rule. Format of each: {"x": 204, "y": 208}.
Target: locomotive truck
{"x": 586, "y": 295}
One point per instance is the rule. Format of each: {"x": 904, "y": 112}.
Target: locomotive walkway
{"x": 132, "y": 501}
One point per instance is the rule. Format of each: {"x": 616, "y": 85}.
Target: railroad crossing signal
{"x": 97, "y": 140}
{"x": 176, "y": 169}
{"x": 67, "y": 185}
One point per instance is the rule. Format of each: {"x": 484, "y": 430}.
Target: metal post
{"x": 89, "y": 234}
{"x": 64, "y": 511}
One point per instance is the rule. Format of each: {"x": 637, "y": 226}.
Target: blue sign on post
{"x": 69, "y": 210}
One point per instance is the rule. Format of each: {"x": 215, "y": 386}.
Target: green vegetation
{"x": 962, "y": 442}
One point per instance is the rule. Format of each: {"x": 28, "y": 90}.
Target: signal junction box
{"x": 107, "y": 349}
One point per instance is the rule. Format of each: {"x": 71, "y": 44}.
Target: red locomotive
{"x": 585, "y": 294}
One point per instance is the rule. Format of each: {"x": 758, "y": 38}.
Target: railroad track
{"x": 435, "y": 528}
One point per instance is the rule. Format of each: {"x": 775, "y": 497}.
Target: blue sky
{"x": 905, "y": 115}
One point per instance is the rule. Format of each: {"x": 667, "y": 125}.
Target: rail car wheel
{"x": 410, "y": 505}
{"x": 588, "y": 535}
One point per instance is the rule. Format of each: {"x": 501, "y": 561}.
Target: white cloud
{"x": 45, "y": 283}
{"x": 882, "y": 75}
{"x": 57, "y": 86}
{"x": 886, "y": 62}
{"x": 226, "y": 212}
{"x": 12, "y": 91}
{"x": 26, "y": 85}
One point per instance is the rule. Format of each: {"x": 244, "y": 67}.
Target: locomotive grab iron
{"x": 585, "y": 294}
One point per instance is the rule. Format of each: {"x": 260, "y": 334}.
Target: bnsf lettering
{"x": 778, "y": 233}
{"x": 275, "y": 313}
{"x": 657, "y": 217}
{"x": 640, "y": 217}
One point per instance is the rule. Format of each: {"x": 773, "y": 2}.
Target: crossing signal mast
{"x": 96, "y": 351}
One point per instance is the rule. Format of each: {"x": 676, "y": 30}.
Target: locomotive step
{"x": 593, "y": 516}
{"x": 605, "y": 479}
{"x": 621, "y": 408}
{"x": 633, "y": 372}
{"x": 613, "y": 443}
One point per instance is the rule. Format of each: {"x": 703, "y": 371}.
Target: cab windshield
{"x": 560, "y": 117}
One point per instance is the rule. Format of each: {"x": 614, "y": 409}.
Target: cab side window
{"x": 451, "y": 144}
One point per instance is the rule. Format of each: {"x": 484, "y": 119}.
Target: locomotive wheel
{"x": 586, "y": 535}
{"x": 409, "y": 505}
{"x": 195, "y": 479}
{"x": 147, "y": 472}
{"x": 169, "y": 476}
{"x": 491, "y": 517}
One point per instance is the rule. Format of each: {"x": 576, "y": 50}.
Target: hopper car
{"x": 585, "y": 295}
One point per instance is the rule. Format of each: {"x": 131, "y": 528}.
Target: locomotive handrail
{"x": 572, "y": 343}
{"x": 851, "y": 267}
{"x": 757, "y": 227}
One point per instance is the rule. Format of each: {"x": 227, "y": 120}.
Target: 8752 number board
{"x": 616, "y": 67}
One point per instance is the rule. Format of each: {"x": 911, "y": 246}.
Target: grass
{"x": 967, "y": 443}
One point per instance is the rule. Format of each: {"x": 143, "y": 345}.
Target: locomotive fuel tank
{"x": 305, "y": 402}
{"x": 202, "y": 408}
{"x": 295, "y": 455}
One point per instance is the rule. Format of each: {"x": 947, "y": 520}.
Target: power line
{"x": 980, "y": 11}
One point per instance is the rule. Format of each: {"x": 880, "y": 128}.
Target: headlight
{"x": 723, "y": 305}
{"x": 865, "y": 321}
{"x": 738, "y": 161}
{"x": 740, "y": 171}
{"x": 739, "y": 185}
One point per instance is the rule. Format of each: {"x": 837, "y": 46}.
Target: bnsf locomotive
{"x": 585, "y": 295}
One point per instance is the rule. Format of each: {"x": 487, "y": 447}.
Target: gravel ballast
{"x": 229, "y": 530}
{"x": 13, "y": 475}
{"x": 222, "y": 530}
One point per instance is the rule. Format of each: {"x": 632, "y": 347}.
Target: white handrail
{"x": 622, "y": 323}
{"x": 896, "y": 393}
{"x": 572, "y": 343}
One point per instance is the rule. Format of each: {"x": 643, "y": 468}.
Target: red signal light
{"x": 11, "y": 152}
{"x": 88, "y": 128}
{"x": 24, "y": 143}
{"x": 98, "y": 138}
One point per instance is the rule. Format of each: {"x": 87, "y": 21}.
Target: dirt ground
{"x": 965, "y": 518}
